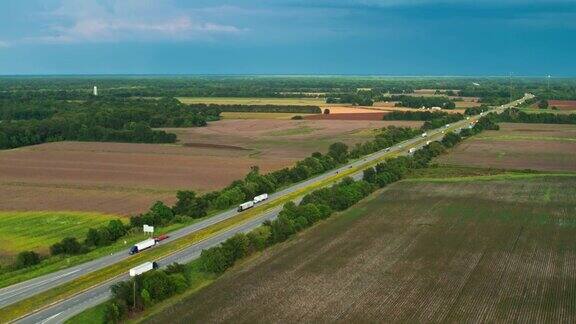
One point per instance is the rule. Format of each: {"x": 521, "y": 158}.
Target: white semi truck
{"x": 146, "y": 244}
{"x": 246, "y": 205}
{"x": 260, "y": 198}
{"x": 144, "y": 267}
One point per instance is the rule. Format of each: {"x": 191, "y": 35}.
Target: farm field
{"x": 544, "y": 147}
{"x": 495, "y": 249}
{"x": 253, "y": 101}
{"x": 24, "y": 231}
{"x": 125, "y": 179}
{"x": 563, "y": 104}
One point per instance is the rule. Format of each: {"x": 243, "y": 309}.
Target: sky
{"x": 375, "y": 37}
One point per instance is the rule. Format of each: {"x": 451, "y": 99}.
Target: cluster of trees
{"x": 422, "y": 101}
{"x": 303, "y": 109}
{"x": 414, "y": 115}
{"x": 383, "y": 139}
{"x": 438, "y": 122}
{"x": 146, "y": 290}
{"x": 115, "y": 120}
{"x": 514, "y": 115}
{"x": 360, "y": 98}
{"x": 431, "y": 119}
{"x": 471, "y": 111}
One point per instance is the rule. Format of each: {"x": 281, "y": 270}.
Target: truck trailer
{"x": 246, "y": 205}
{"x": 146, "y": 244}
{"x": 144, "y": 267}
{"x": 260, "y": 198}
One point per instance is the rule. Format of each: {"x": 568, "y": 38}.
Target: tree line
{"x": 293, "y": 218}
{"x": 422, "y": 101}
{"x": 119, "y": 120}
{"x": 431, "y": 119}
{"x": 514, "y": 115}
{"x": 304, "y": 109}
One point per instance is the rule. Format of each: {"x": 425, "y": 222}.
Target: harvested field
{"x": 125, "y": 179}
{"x": 519, "y": 146}
{"x": 351, "y": 116}
{"x": 483, "y": 251}
{"x": 563, "y": 104}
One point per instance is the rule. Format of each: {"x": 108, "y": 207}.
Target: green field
{"x": 254, "y": 101}
{"x": 483, "y": 249}
{"x": 22, "y": 231}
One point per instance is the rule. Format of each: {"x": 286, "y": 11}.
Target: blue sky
{"x": 387, "y": 37}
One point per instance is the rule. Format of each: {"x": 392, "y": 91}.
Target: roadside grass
{"x": 94, "y": 315}
{"x": 198, "y": 280}
{"x": 56, "y": 263}
{"x": 253, "y": 101}
{"x": 36, "y": 231}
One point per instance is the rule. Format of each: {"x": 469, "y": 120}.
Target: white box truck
{"x": 260, "y": 198}
{"x": 144, "y": 267}
{"x": 424, "y": 134}
{"x": 146, "y": 244}
{"x": 412, "y": 150}
{"x": 246, "y": 205}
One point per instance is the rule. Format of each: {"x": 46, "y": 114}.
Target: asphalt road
{"x": 61, "y": 311}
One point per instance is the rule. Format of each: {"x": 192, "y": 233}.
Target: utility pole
{"x": 548, "y": 83}
{"x": 510, "y": 87}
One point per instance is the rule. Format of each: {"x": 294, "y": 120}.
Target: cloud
{"x": 4, "y": 44}
{"x": 126, "y": 20}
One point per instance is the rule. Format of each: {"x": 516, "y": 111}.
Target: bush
{"x": 68, "y": 245}
{"x": 297, "y": 117}
{"x": 26, "y": 259}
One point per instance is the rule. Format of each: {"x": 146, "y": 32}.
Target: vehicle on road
{"x": 144, "y": 267}
{"x": 161, "y": 238}
{"x": 424, "y": 134}
{"x": 260, "y": 198}
{"x": 246, "y": 205}
{"x": 140, "y": 246}
{"x": 412, "y": 150}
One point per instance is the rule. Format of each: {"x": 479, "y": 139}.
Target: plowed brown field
{"x": 432, "y": 251}
{"x": 519, "y": 146}
{"x": 127, "y": 178}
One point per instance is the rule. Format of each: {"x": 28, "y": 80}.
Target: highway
{"x": 63, "y": 310}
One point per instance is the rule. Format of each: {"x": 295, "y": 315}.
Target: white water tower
{"x": 95, "y": 90}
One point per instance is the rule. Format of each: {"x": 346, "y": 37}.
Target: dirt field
{"x": 519, "y": 146}
{"x": 563, "y": 104}
{"x": 351, "y": 116}
{"x": 127, "y": 178}
{"x": 496, "y": 251}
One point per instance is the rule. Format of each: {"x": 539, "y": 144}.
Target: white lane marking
{"x": 50, "y": 318}
{"x": 40, "y": 283}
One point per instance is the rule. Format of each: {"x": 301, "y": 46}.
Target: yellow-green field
{"x": 21, "y": 231}
{"x": 253, "y": 101}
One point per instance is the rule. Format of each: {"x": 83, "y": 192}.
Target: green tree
{"x": 26, "y": 259}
